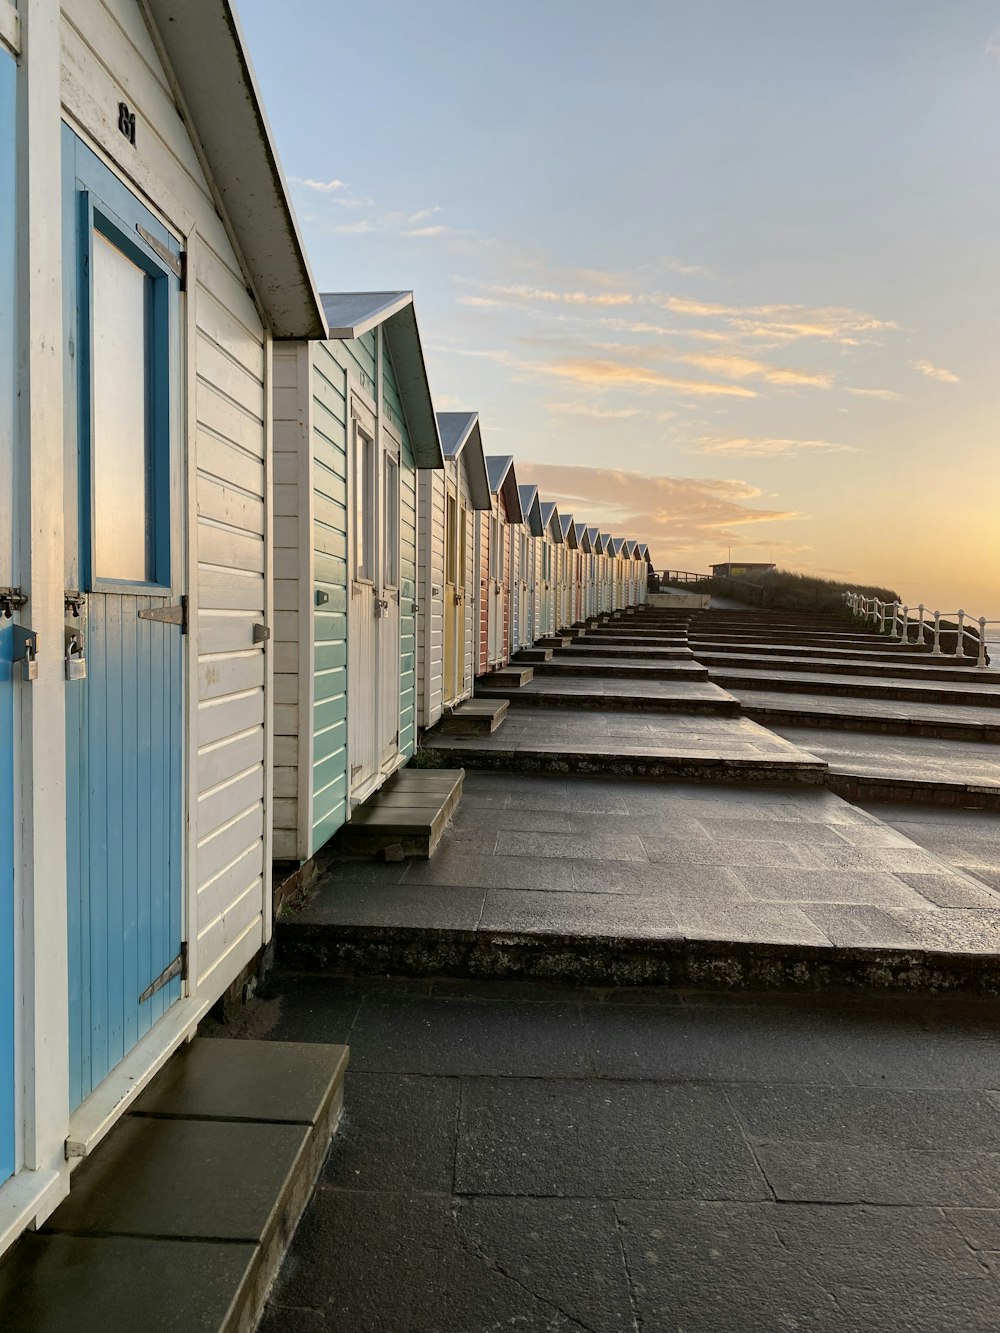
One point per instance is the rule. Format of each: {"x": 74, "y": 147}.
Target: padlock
{"x": 76, "y": 661}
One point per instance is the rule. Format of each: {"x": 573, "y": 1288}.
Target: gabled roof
{"x": 531, "y": 509}
{"x": 350, "y": 314}
{"x": 631, "y": 547}
{"x": 594, "y": 536}
{"x": 551, "y": 523}
{"x": 617, "y": 545}
{"x": 503, "y": 481}
{"x": 606, "y": 540}
{"x": 643, "y": 551}
{"x": 568, "y": 530}
{"x": 206, "y": 56}
{"x": 461, "y": 437}
{"x": 582, "y": 537}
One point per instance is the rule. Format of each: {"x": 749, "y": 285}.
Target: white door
{"x": 496, "y": 591}
{"x": 362, "y": 629}
{"x": 373, "y": 628}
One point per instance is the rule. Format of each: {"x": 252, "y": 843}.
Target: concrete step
{"x": 973, "y": 694}
{"x": 625, "y": 668}
{"x": 698, "y": 699}
{"x": 629, "y": 639}
{"x": 837, "y": 653}
{"x": 902, "y": 671}
{"x": 474, "y": 717}
{"x": 609, "y": 649}
{"x": 180, "y": 1218}
{"x": 885, "y": 717}
{"x": 510, "y": 675}
{"x": 554, "y": 641}
{"x": 409, "y": 813}
{"x": 535, "y": 654}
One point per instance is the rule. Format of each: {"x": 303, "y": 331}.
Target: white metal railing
{"x": 913, "y": 624}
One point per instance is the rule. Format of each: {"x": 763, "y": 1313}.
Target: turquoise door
{"x": 7, "y": 400}
{"x": 125, "y": 714}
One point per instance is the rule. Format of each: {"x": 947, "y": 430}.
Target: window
{"x": 390, "y": 500}
{"x": 451, "y": 541}
{"x": 496, "y": 550}
{"x": 364, "y": 516}
{"x": 122, "y": 512}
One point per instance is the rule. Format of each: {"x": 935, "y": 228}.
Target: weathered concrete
{"x": 524, "y": 1155}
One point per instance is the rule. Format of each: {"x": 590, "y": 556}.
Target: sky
{"x": 722, "y": 275}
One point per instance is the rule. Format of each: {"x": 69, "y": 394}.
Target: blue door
{"x": 124, "y": 620}
{"x": 7, "y": 399}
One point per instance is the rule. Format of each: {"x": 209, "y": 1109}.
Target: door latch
{"x": 381, "y": 606}
{"x": 26, "y": 651}
{"x": 261, "y": 633}
{"x": 73, "y": 602}
{"x": 11, "y": 600}
{"x": 76, "y": 660}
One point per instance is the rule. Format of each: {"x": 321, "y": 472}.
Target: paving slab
{"x": 888, "y": 716}
{"x": 637, "y": 882}
{"x": 977, "y": 693}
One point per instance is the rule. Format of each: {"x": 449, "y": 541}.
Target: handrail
{"x": 893, "y": 618}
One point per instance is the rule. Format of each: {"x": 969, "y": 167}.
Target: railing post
{"x": 895, "y": 620}
{"x": 960, "y": 636}
{"x": 936, "y": 650}
{"x": 904, "y": 629}
{"x": 982, "y": 642}
{"x": 920, "y": 625}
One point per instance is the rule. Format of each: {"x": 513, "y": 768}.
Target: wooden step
{"x": 511, "y": 675}
{"x": 409, "y": 813}
{"x": 180, "y": 1218}
{"x": 474, "y": 717}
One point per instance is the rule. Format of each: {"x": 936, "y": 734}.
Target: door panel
{"x": 8, "y": 216}
{"x": 124, "y": 556}
{"x": 362, "y": 634}
{"x": 388, "y": 609}
{"x": 452, "y": 608}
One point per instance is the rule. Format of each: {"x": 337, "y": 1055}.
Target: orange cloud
{"x": 592, "y": 372}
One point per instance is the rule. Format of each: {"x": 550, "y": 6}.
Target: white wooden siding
{"x": 108, "y": 56}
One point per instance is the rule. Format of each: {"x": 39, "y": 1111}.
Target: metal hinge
{"x": 11, "y": 600}
{"x": 177, "y": 264}
{"x": 168, "y": 615}
{"x": 178, "y": 968}
{"x": 261, "y": 633}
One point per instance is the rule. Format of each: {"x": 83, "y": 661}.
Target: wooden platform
{"x": 409, "y": 813}
{"x": 474, "y": 717}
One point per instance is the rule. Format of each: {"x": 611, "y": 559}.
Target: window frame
{"x": 95, "y": 215}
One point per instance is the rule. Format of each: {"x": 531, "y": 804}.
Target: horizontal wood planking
{"x": 108, "y": 56}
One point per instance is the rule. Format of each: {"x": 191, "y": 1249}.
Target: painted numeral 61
{"x": 126, "y": 122}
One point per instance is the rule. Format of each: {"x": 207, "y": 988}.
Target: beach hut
{"x": 567, "y": 559}
{"x": 527, "y": 564}
{"x": 450, "y": 500}
{"x": 494, "y": 561}
{"x": 610, "y": 584}
{"x": 160, "y": 262}
{"x": 642, "y": 560}
{"x": 581, "y": 561}
{"x": 354, "y": 422}
{"x": 551, "y": 545}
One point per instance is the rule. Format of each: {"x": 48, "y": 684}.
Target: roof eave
{"x": 206, "y": 55}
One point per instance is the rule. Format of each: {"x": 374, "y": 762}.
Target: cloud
{"x": 741, "y": 367}
{"x": 437, "y": 230}
{"x": 592, "y": 410}
{"x": 992, "y": 47}
{"x": 936, "y": 372}
{"x": 323, "y": 187}
{"x": 890, "y": 395}
{"x": 764, "y": 447}
{"x": 611, "y": 373}
{"x": 785, "y": 322}
{"x": 673, "y": 514}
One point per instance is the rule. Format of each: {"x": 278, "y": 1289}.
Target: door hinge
{"x": 177, "y": 968}
{"x": 261, "y": 633}
{"x": 11, "y": 600}
{"x": 176, "y": 263}
{"x": 177, "y": 614}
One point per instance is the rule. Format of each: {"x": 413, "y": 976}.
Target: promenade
{"x": 668, "y": 1034}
